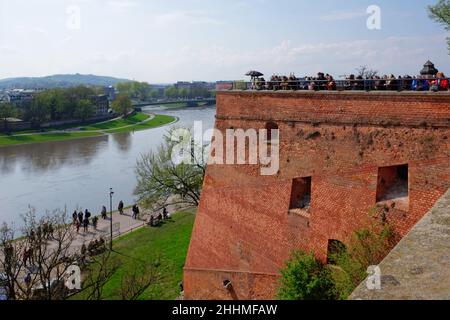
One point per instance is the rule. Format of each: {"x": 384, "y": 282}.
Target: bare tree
{"x": 366, "y": 73}
{"x": 36, "y": 266}
{"x": 98, "y": 273}
{"x": 135, "y": 284}
{"x": 50, "y": 243}
{"x": 11, "y": 267}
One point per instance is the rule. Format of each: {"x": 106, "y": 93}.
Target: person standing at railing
{"x": 293, "y": 82}
{"x": 311, "y": 84}
{"x": 261, "y": 84}
{"x": 331, "y": 84}
{"x": 391, "y": 83}
{"x": 420, "y": 84}
{"x": 440, "y": 84}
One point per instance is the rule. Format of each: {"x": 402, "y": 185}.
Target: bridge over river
{"x": 189, "y": 103}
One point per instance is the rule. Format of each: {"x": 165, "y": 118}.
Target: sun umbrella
{"x": 254, "y": 74}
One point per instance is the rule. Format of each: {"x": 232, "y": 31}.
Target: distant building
{"x": 110, "y": 92}
{"x": 17, "y": 96}
{"x": 160, "y": 89}
{"x": 101, "y": 103}
{"x": 224, "y": 85}
{"x": 194, "y": 86}
{"x": 4, "y": 97}
{"x": 180, "y": 85}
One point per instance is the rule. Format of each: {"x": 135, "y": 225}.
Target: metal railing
{"x": 404, "y": 84}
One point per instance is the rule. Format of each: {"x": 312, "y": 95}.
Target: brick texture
{"x": 244, "y": 231}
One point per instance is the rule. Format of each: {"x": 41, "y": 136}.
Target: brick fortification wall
{"x": 245, "y": 230}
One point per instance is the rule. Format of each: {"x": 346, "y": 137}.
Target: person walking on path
{"x": 80, "y": 217}
{"x": 135, "y": 211}
{"x": 95, "y": 222}
{"x": 86, "y": 224}
{"x": 87, "y": 214}
{"x": 165, "y": 213}
{"x": 120, "y": 207}
{"x": 78, "y": 225}
{"x": 104, "y": 213}
{"x": 75, "y": 217}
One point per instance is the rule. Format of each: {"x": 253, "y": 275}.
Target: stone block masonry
{"x": 245, "y": 228}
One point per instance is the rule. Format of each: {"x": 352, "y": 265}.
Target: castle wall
{"x": 245, "y": 231}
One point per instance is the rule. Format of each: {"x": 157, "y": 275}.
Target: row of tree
{"x": 137, "y": 90}
{"x": 54, "y": 105}
{"x": 74, "y": 103}
{"x": 143, "y": 91}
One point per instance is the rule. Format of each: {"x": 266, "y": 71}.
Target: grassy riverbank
{"x": 167, "y": 245}
{"x": 136, "y": 122}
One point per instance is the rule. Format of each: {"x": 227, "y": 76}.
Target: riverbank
{"x": 164, "y": 247}
{"x": 136, "y": 122}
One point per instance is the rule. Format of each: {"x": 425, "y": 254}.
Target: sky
{"x": 162, "y": 41}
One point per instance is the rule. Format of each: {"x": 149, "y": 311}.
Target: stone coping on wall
{"x": 405, "y": 96}
{"x": 348, "y": 108}
{"x": 418, "y": 268}
{"x": 339, "y": 92}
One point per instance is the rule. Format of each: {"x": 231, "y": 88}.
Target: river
{"x": 77, "y": 174}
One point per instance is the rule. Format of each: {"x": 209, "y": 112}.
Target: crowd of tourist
{"x": 323, "y": 81}
{"x": 83, "y": 219}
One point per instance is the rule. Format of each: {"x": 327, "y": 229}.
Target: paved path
{"x": 121, "y": 224}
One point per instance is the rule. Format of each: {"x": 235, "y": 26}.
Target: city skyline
{"x": 161, "y": 42}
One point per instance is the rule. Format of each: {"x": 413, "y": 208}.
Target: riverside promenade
{"x": 122, "y": 224}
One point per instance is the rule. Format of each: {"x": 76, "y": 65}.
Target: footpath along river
{"x": 77, "y": 174}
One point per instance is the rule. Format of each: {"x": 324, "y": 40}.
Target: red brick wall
{"x": 340, "y": 139}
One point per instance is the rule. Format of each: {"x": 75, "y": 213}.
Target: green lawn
{"x": 35, "y": 138}
{"x": 132, "y": 123}
{"x": 117, "y": 123}
{"x": 166, "y": 244}
{"x": 157, "y": 121}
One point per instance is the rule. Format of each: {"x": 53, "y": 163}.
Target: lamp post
{"x": 111, "y": 193}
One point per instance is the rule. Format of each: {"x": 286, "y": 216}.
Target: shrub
{"x": 367, "y": 247}
{"x": 305, "y": 278}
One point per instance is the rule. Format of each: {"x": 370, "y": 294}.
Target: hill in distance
{"x": 58, "y": 81}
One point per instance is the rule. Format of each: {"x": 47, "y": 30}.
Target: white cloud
{"x": 7, "y": 50}
{"x": 122, "y": 4}
{"x": 181, "y": 18}
{"x": 344, "y": 15}
{"x": 399, "y": 55}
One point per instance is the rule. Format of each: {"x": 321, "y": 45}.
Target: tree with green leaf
{"x": 166, "y": 178}
{"x": 122, "y": 105}
{"x": 154, "y": 94}
{"x": 135, "y": 90}
{"x": 7, "y": 110}
{"x": 84, "y": 110}
{"x": 440, "y": 12}
{"x": 171, "y": 92}
{"x": 37, "y": 111}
